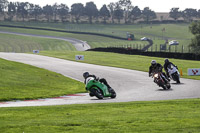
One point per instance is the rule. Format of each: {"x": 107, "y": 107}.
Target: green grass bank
{"x": 175, "y": 116}
{"x": 22, "y": 82}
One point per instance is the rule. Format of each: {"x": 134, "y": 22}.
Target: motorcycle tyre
{"x": 113, "y": 94}
{"x": 164, "y": 87}
{"x": 97, "y": 93}
{"x": 176, "y": 78}
{"x": 91, "y": 94}
{"x": 168, "y": 86}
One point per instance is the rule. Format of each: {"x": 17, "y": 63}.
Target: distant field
{"x": 16, "y": 43}
{"x": 178, "y": 32}
{"x": 92, "y": 40}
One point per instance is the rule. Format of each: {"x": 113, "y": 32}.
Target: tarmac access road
{"x": 130, "y": 85}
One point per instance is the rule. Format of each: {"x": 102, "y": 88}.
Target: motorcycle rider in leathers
{"x": 157, "y": 67}
{"x": 167, "y": 63}
{"x": 102, "y": 80}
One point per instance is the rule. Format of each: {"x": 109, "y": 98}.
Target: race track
{"x": 129, "y": 85}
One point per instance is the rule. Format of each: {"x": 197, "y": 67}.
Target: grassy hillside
{"x": 92, "y": 40}
{"x": 171, "y": 30}
{"x": 179, "y": 32}
{"x": 16, "y": 43}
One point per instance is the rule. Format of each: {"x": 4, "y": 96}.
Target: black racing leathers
{"x": 155, "y": 68}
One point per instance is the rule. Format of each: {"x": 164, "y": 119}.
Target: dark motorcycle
{"x": 159, "y": 80}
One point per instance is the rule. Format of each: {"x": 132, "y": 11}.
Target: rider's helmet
{"x": 153, "y": 63}
{"x": 85, "y": 74}
{"x": 166, "y": 60}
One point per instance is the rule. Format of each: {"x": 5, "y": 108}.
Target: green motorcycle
{"x": 98, "y": 89}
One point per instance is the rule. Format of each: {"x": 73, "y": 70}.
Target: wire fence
{"x": 158, "y": 48}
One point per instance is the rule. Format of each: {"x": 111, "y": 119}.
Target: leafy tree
{"x": 12, "y": 9}
{"x": 104, "y": 12}
{"x": 37, "y": 10}
{"x": 22, "y": 9}
{"x": 127, "y": 7}
{"x": 195, "y": 43}
{"x": 30, "y": 9}
{"x": 118, "y": 12}
{"x": 91, "y": 11}
{"x": 77, "y": 10}
{"x": 48, "y": 12}
{"x": 195, "y": 28}
{"x": 198, "y": 13}
{"x": 189, "y": 14}
{"x": 148, "y": 14}
{"x": 63, "y": 11}
{"x": 175, "y": 13}
{"x": 3, "y": 5}
{"x": 55, "y": 11}
{"x": 111, "y": 7}
{"x": 136, "y": 13}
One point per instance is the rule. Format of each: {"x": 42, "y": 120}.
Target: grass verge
{"x": 175, "y": 116}
{"x": 19, "y": 82}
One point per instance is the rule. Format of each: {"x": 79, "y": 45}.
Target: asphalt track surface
{"x": 130, "y": 85}
{"x": 78, "y": 44}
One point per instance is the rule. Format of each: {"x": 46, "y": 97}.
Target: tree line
{"x": 115, "y": 12}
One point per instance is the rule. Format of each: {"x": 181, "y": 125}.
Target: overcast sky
{"x": 155, "y": 5}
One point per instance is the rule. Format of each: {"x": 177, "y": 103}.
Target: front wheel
{"x": 113, "y": 93}
{"x": 164, "y": 87}
{"x": 97, "y": 93}
{"x": 176, "y": 78}
{"x": 168, "y": 86}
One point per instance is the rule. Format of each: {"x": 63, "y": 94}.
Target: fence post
{"x": 175, "y": 48}
{"x": 189, "y": 49}
{"x": 160, "y": 48}
{"x": 182, "y": 48}
{"x": 156, "y": 49}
